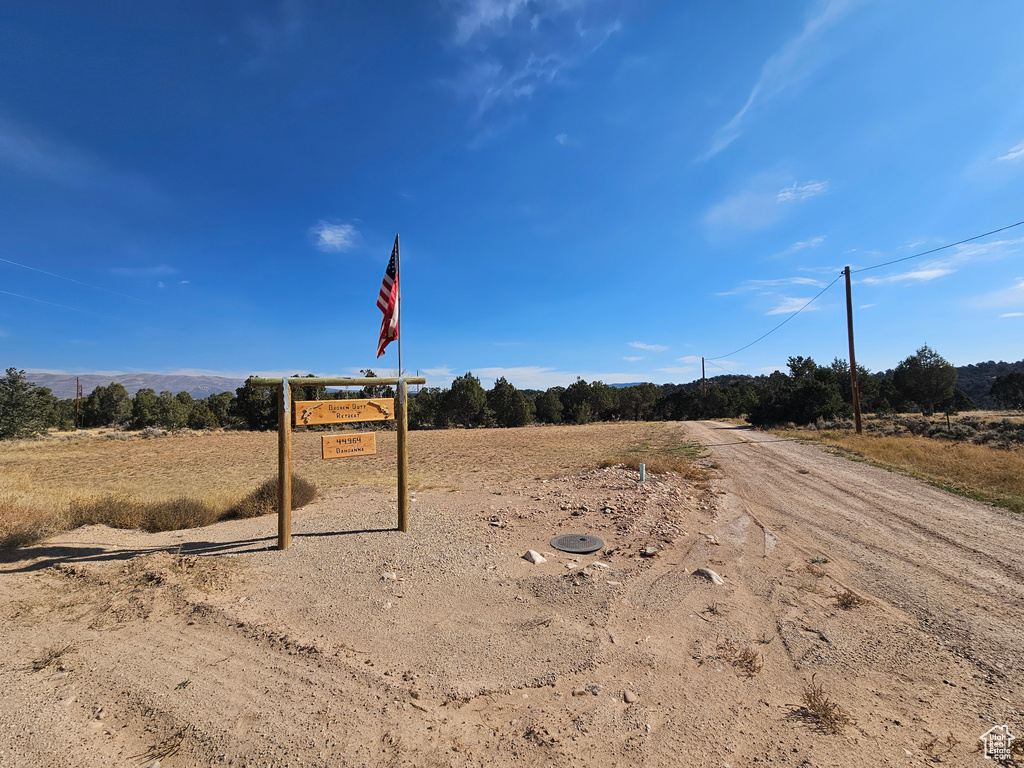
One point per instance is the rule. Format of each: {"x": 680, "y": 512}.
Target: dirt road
{"x": 364, "y": 646}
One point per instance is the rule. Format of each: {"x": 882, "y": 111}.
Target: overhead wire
{"x": 936, "y": 250}
{"x": 773, "y": 330}
{"x": 864, "y": 269}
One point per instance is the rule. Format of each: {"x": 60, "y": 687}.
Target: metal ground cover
{"x": 577, "y": 543}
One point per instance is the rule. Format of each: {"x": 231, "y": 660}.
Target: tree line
{"x": 923, "y": 382}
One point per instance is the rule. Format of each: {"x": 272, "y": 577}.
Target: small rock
{"x": 707, "y": 573}
{"x": 389, "y": 576}
{"x": 535, "y": 557}
{"x": 648, "y": 552}
{"x": 630, "y": 698}
{"x": 599, "y": 564}
{"x": 580, "y": 692}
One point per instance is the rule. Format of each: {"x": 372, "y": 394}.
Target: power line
{"x": 936, "y": 250}
{"x": 709, "y": 362}
{"x": 773, "y": 330}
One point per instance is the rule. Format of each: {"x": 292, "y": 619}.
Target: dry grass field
{"x": 42, "y": 479}
{"x": 981, "y": 472}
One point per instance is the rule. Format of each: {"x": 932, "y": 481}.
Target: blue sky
{"x": 603, "y": 189}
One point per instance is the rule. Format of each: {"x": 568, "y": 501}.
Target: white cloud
{"x": 922, "y": 275}
{"x": 801, "y": 191}
{"x": 561, "y": 139}
{"x": 632, "y": 358}
{"x": 791, "y": 304}
{"x": 1015, "y": 153}
{"x": 867, "y": 306}
{"x": 335, "y": 238}
{"x": 509, "y": 53}
{"x": 960, "y": 256}
{"x": 760, "y": 285}
{"x": 677, "y": 369}
{"x": 814, "y": 242}
{"x": 689, "y": 359}
{"x": 155, "y": 271}
{"x": 1013, "y": 296}
{"x": 1012, "y": 314}
{"x": 26, "y": 150}
{"x": 648, "y": 347}
{"x": 762, "y": 204}
{"x": 483, "y": 15}
{"x": 795, "y": 60}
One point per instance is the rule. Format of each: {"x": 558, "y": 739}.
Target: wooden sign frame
{"x": 284, "y": 440}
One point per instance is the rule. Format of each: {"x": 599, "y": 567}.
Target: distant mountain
{"x": 63, "y": 385}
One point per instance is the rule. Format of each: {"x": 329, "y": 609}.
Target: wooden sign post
{"x": 308, "y": 412}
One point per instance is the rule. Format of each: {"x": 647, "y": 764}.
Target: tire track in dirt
{"x": 962, "y": 582}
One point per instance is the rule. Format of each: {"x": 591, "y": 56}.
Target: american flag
{"x": 387, "y": 302}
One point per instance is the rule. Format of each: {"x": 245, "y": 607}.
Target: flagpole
{"x": 398, "y": 277}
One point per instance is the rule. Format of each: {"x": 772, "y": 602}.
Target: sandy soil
{"x": 364, "y": 646}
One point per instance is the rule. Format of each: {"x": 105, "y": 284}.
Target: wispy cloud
{"x": 648, "y": 347}
{"x": 1011, "y": 296}
{"x": 154, "y": 271}
{"x": 799, "y": 57}
{"x": 761, "y": 285}
{"x": 274, "y": 35}
{"x": 921, "y": 275}
{"x": 867, "y": 306}
{"x": 689, "y": 359}
{"x": 562, "y": 139}
{"x": 512, "y": 48}
{"x": 762, "y": 204}
{"x": 790, "y": 304}
{"x": 1012, "y": 314}
{"x": 960, "y": 256}
{"x": 814, "y": 242}
{"x": 26, "y": 150}
{"x": 801, "y": 191}
{"x": 632, "y": 358}
{"x": 488, "y": 15}
{"x": 1015, "y": 153}
{"x": 677, "y": 369}
{"x": 334, "y": 238}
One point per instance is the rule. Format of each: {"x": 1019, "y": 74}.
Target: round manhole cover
{"x": 577, "y": 543}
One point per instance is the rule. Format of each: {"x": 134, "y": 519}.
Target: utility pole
{"x": 78, "y": 403}
{"x": 703, "y": 381}
{"x": 853, "y": 359}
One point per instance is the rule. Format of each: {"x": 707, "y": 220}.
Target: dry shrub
{"x": 22, "y": 524}
{"x": 829, "y": 716}
{"x": 848, "y": 600}
{"x": 744, "y": 658}
{"x": 176, "y": 514}
{"x": 263, "y": 501}
{"x": 51, "y": 655}
{"x": 118, "y": 510}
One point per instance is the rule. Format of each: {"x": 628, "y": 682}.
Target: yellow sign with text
{"x": 352, "y": 444}
{"x": 343, "y": 411}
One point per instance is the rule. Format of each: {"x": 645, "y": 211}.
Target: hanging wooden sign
{"x": 343, "y": 411}
{"x": 351, "y": 444}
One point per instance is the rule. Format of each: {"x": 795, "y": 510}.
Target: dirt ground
{"x": 901, "y": 604}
